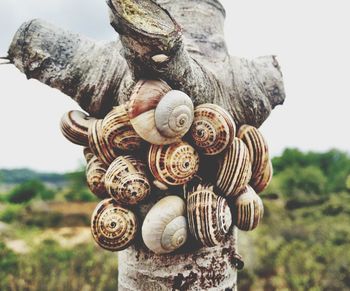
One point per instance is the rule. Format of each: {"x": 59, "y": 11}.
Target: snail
{"x": 234, "y": 170}
{"x": 113, "y": 227}
{"x": 209, "y": 216}
{"x": 213, "y": 129}
{"x": 74, "y": 126}
{"x": 98, "y": 145}
{"x": 126, "y": 180}
{"x": 95, "y": 174}
{"x": 173, "y": 164}
{"x": 257, "y": 146}
{"x": 248, "y": 209}
{"x": 261, "y": 182}
{"x": 118, "y": 131}
{"x": 159, "y": 114}
{"x": 165, "y": 227}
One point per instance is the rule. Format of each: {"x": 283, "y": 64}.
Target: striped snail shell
{"x": 88, "y": 154}
{"x": 261, "y": 182}
{"x": 126, "y": 180}
{"x": 159, "y": 114}
{"x": 234, "y": 170}
{"x": 95, "y": 175}
{"x": 248, "y": 209}
{"x": 257, "y": 146}
{"x": 118, "y": 131}
{"x": 113, "y": 227}
{"x": 75, "y": 125}
{"x": 98, "y": 144}
{"x": 209, "y": 216}
{"x": 173, "y": 164}
{"x": 165, "y": 227}
{"x": 213, "y": 129}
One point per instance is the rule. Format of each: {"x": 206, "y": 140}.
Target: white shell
{"x": 165, "y": 227}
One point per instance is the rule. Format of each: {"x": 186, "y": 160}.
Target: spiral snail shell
{"x": 126, "y": 180}
{"x": 98, "y": 144}
{"x": 248, "y": 209}
{"x": 75, "y": 125}
{"x": 209, "y": 216}
{"x": 95, "y": 175}
{"x": 165, "y": 227}
{"x": 234, "y": 170}
{"x": 261, "y": 182}
{"x": 112, "y": 226}
{"x": 158, "y": 114}
{"x": 118, "y": 131}
{"x": 213, "y": 129}
{"x": 257, "y": 146}
{"x": 173, "y": 164}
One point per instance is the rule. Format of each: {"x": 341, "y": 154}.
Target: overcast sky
{"x": 310, "y": 38}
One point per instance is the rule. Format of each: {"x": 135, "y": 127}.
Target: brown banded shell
{"x": 248, "y": 209}
{"x": 213, "y": 129}
{"x": 165, "y": 226}
{"x": 113, "y": 227}
{"x": 126, "y": 180}
{"x": 173, "y": 164}
{"x": 234, "y": 170}
{"x": 261, "y": 182}
{"x": 95, "y": 177}
{"x": 159, "y": 114}
{"x": 118, "y": 131}
{"x": 88, "y": 154}
{"x": 98, "y": 144}
{"x": 75, "y": 125}
{"x": 257, "y": 146}
{"x": 209, "y": 216}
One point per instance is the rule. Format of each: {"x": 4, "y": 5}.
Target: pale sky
{"x": 310, "y": 38}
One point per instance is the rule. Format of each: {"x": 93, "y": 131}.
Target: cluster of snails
{"x": 203, "y": 172}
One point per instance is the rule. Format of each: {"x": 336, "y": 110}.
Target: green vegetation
{"x": 302, "y": 243}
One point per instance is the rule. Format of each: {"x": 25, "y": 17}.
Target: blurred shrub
{"x": 11, "y": 213}
{"x": 28, "y": 190}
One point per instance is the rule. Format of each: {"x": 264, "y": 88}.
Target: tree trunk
{"x": 182, "y": 43}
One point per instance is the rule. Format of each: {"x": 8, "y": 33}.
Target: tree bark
{"x": 182, "y": 43}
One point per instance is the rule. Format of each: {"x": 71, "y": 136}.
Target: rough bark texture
{"x": 181, "y": 42}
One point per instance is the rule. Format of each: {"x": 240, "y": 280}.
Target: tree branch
{"x": 89, "y": 72}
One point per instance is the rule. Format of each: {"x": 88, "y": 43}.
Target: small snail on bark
{"x": 213, "y": 129}
{"x": 126, "y": 180}
{"x": 209, "y": 216}
{"x": 261, "y": 182}
{"x": 248, "y": 209}
{"x": 98, "y": 144}
{"x": 113, "y": 227}
{"x": 159, "y": 114}
{"x": 165, "y": 227}
{"x": 234, "y": 169}
{"x": 257, "y": 146}
{"x": 173, "y": 164}
{"x": 75, "y": 125}
{"x": 118, "y": 131}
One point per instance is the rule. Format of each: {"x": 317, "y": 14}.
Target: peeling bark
{"x": 183, "y": 43}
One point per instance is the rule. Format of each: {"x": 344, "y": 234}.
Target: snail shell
{"x": 126, "y": 180}
{"x": 88, "y": 154}
{"x": 95, "y": 175}
{"x": 158, "y": 114}
{"x": 257, "y": 146}
{"x": 165, "y": 227}
{"x": 113, "y": 227}
{"x": 98, "y": 144}
{"x": 234, "y": 170}
{"x": 209, "y": 216}
{"x": 118, "y": 131}
{"x": 248, "y": 209}
{"x": 75, "y": 125}
{"x": 213, "y": 129}
{"x": 261, "y": 182}
{"x": 173, "y": 164}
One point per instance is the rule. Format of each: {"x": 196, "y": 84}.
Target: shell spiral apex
{"x": 165, "y": 226}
